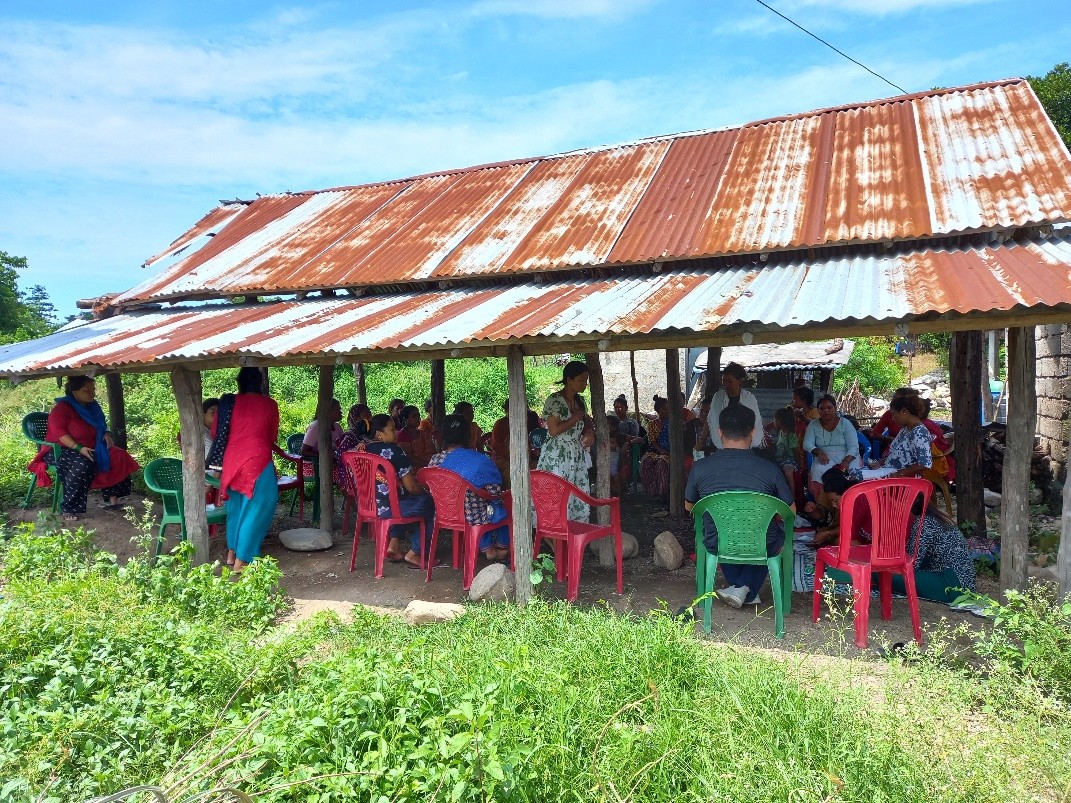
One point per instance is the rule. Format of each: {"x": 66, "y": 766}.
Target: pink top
{"x": 254, "y": 430}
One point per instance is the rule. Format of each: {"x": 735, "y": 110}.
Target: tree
{"x": 22, "y": 315}
{"x": 1054, "y": 91}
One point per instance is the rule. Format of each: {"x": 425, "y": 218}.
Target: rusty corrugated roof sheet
{"x": 905, "y": 168}
{"x": 760, "y": 298}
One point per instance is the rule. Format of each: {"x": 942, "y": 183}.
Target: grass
{"x": 112, "y": 676}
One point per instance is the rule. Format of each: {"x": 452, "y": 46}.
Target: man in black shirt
{"x": 735, "y": 467}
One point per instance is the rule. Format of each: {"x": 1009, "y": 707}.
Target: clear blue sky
{"x": 123, "y": 123}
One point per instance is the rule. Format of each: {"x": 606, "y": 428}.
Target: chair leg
{"x": 575, "y": 555}
{"x": 431, "y": 550}
{"x": 356, "y": 538}
{"x": 700, "y": 568}
{"x": 561, "y": 557}
{"x": 776, "y": 589}
{"x": 816, "y": 595}
{"x": 57, "y": 496}
{"x": 885, "y": 594}
{"x": 913, "y": 602}
{"x": 708, "y": 590}
{"x": 472, "y": 541}
{"x": 29, "y": 492}
{"x": 861, "y": 592}
{"x": 786, "y": 578}
{"x": 382, "y": 535}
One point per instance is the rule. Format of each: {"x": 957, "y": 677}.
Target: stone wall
{"x": 1054, "y": 394}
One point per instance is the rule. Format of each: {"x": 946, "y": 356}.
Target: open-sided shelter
{"x": 924, "y": 212}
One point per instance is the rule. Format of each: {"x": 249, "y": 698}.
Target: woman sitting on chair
{"x": 480, "y": 470}
{"x": 89, "y": 457}
{"x": 654, "y": 465}
{"x": 909, "y": 454}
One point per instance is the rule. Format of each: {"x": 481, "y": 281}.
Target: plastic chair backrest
{"x": 742, "y": 519}
{"x": 448, "y": 491}
{"x": 889, "y": 502}
{"x": 550, "y": 496}
{"x": 164, "y": 475}
{"x": 34, "y": 427}
{"x": 367, "y": 470}
{"x": 293, "y": 443}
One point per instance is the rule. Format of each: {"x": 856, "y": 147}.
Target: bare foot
{"x": 238, "y": 566}
{"x": 412, "y": 558}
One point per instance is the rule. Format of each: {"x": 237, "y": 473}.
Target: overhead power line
{"x": 831, "y": 47}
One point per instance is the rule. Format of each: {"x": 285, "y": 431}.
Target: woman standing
{"x": 831, "y": 440}
{"x": 569, "y": 434}
{"x": 89, "y": 457}
{"x": 250, "y": 427}
{"x": 654, "y": 466}
{"x": 909, "y": 453}
{"x": 481, "y": 471}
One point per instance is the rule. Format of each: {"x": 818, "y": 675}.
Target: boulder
{"x": 990, "y": 498}
{"x": 603, "y": 549}
{"x": 494, "y": 582}
{"x": 668, "y": 552}
{"x": 422, "y": 612}
{"x": 306, "y": 539}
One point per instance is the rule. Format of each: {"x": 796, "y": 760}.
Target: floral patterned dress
{"x": 564, "y": 455}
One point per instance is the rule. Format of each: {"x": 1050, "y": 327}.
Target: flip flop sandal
{"x": 420, "y": 568}
{"x": 395, "y": 558}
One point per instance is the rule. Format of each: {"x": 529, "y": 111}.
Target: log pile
{"x": 993, "y": 460}
{"x": 855, "y": 403}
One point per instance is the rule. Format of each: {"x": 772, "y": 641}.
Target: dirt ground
{"x": 322, "y": 581}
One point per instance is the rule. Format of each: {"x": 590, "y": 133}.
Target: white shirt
{"x": 719, "y": 402}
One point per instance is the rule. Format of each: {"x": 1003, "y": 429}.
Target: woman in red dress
{"x": 89, "y": 457}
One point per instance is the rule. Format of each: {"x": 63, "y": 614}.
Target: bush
{"x": 874, "y": 365}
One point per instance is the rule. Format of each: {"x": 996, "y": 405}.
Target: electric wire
{"x": 831, "y": 47}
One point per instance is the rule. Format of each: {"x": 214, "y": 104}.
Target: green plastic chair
{"x": 742, "y": 519}
{"x": 293, "y": 446}
{"x": 164, "y": 475}
{"x": 34, "y": 427}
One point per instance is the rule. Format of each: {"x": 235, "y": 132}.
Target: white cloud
{"x": 872, "y": 7}
{"x": 560, "y": 9}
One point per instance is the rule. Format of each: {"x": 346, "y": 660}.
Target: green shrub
{"x": 874, "y": 365}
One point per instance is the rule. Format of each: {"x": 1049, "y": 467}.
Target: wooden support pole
{"x": 438, "y": 397}
{"x": 266, "y": 381}
{"x": 186, "y": 385}
{"x": 965, "y": 369}
{"x": 116, "y": 408}
{"x": 602, "y": 433}
{"x": 635, "y": 395}
{"x": 1063, "y": 557}
{"x": 1018, "y": 451}
{"x": 361, "y": 382}
{"x": 520, "y": 482}
{"x": 676, "y": 432}
{"x": 713, "y": 383}
{"x": 327, "y": 449}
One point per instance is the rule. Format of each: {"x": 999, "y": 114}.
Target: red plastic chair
{"x": 550, "y": 495}
{"x": 889, "y": 502}
{"x": 366, "y": 470}
{"x": 448, "y": 489}
{"x": 292, "y": 482}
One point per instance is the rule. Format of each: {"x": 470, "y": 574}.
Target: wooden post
{"x": 639, "y": 421}
{"x": 1018, "y": 451}
{"x": 266, "y": 384}
{"x": 520, "y": 482}
{"x": 993, "y": 353}
{"x": 359, "y": 379}
{"x": 438, "y": 398}
{"x": 965, "y": 369}
{"x": 713, "y": 383}
{"x": 327, "y": 449}
{"x": 676, "y": 432}
{"x": 186, "y": 385}
{"x": 1063, "y": 557}
{"x": 116, "y": 408}
{"x": 602, "y": 434}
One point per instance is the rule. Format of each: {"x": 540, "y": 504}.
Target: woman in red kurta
{"x": 248, "y": 482}
{"x": 88, "y": 456}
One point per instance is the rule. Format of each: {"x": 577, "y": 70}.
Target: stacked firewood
{"x": 855, "y": 403}
{"x": 993, "y": 460}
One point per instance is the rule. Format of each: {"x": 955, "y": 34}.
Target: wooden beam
{"x": 713, "y": 381}
{"x": 361, "y": 382}
{"x": 438, "y": 396}
{"x": 116, "y": 408}
{"x": 1018, "y": 451}
{"x": 965, "y": 369}
{"x": 186, "y": 385}
{"x": 676, "y": 432}
{"x": 602, "y": 433}
{"x": 1063, "y": 557}
{"x": 520, "y": 482}
{"x": 326, "y": 392}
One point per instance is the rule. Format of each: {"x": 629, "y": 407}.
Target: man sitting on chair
{"x": 736, "y": 468}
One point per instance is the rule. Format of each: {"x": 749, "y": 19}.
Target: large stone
{"x": 668, "y": 552}
{"x": 494, "y": 582}
{"x": 306, "y": 539}
{"x": 990, "y": 498}
{"x": 603, "y": 549}
{"x": 422, "y": 612}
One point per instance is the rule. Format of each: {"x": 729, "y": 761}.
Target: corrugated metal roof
{"x": 782, "y": 356}
{"x": 905, "y": 168}
{"x": 762, "y": 298}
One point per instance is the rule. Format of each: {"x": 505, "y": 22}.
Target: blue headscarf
{"x": 93, "y": 415}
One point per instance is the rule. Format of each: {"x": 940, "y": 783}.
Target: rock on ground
{"x": 668, "y": 552}
{"x": 990, "y": 498}
{"x": 422, "y": 612}
{"x": 603, "y": 549}
{"x": 494, "y": 582}
{"x": 306, "y": 539}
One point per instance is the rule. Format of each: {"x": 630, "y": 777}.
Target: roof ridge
{"x": 662, "y": 137}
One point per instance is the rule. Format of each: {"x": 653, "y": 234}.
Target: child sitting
{"x": 787, "y": 447}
